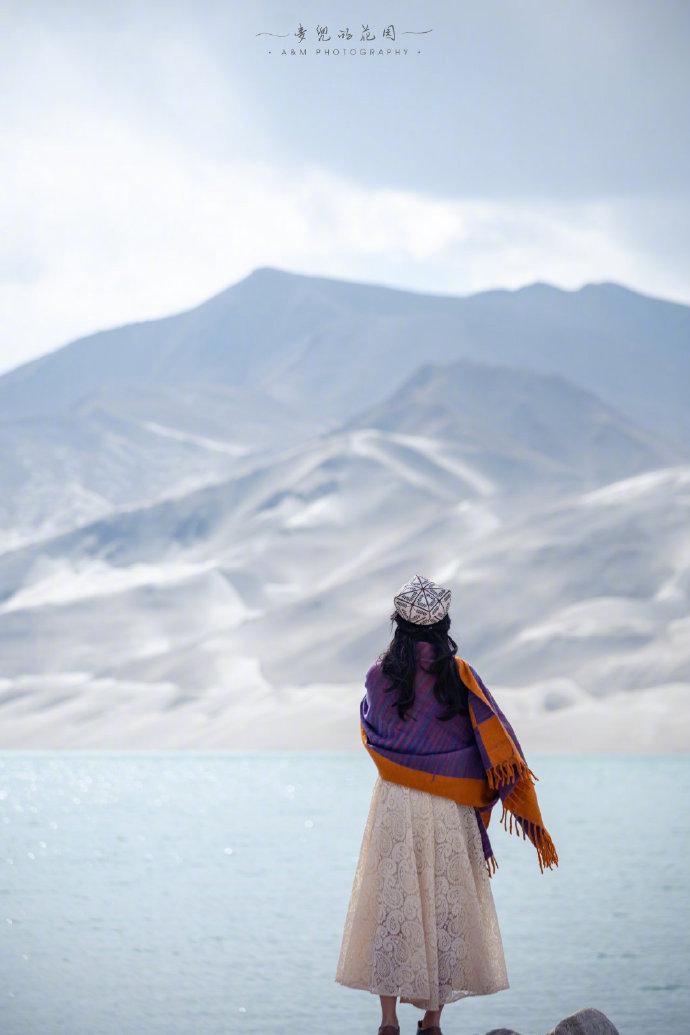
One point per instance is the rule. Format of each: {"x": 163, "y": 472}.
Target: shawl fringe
{"x": 503, "y": 773}
{"x": 538, "y": 835}
{"x": 507, "y": 773}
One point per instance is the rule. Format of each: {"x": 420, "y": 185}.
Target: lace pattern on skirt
{"x": 421, "y": 923}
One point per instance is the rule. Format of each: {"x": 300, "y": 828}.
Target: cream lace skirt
{"x": 421, "y": 923}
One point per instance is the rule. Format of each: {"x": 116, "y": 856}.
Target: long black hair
{"x": 399, "y": 662}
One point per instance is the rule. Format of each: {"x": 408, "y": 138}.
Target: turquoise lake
{"x": 205, "y": 893}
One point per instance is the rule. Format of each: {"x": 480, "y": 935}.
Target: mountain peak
{"x": 268, "y": 272}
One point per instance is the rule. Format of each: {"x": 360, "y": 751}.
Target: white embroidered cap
{"x": 421, "y": 601}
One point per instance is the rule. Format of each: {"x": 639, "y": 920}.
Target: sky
{"x": 152, "y": 154}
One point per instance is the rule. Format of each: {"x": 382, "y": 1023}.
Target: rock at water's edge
{"x": 585, "y": 1022}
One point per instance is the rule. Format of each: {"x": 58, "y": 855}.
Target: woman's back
{"x": 421, "y": 723}
{"x": 421, "y": 924}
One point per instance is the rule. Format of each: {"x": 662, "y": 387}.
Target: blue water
{"x": 206, "y": 893}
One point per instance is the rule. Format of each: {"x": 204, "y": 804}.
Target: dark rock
{"x": 502, "y": 1031}
{"x": 585, "y": 1022}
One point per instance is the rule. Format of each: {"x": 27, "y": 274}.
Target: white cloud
{"x": 113, "y": 212}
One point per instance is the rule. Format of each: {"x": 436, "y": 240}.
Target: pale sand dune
{"x": 204, "y": 518}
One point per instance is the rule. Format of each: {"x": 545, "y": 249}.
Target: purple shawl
{"x": 475, "y": 760}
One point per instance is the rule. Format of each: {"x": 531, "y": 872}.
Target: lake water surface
{"x": 205, "y": 893}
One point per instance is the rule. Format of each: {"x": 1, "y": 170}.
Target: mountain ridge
{"x": 306, "y": 341}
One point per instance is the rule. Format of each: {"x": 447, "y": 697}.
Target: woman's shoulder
{"x": 375, "y": 676}
{"x": 373, "y": 671}
{"x": 464, "y": 666}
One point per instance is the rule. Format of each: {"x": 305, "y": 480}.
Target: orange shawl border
{"x": 506, "y": 767}
{"x": 461, "y": 789}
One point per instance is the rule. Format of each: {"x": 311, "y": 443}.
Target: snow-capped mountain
{"x": 205, "y": 517}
